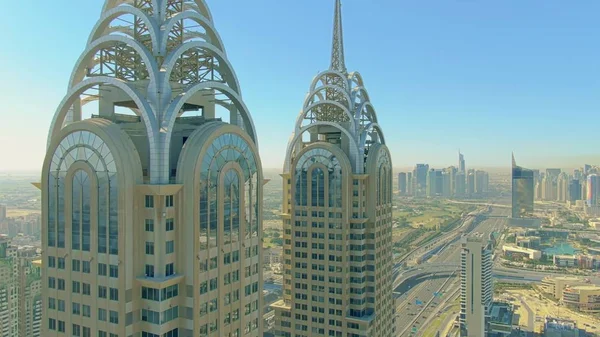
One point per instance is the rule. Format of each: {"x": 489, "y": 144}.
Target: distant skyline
{"x": 489, "y": 78}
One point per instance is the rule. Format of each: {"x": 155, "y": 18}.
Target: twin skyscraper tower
{"x": 152, "y": 192}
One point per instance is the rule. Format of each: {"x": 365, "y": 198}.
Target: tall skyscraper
{"x": 20, "y": 290}
{"x": 337, "y": 212}
{"x": 420, "y": 176}
{"x": 522, "y": 191}
{"x": 152, "y": 207}
{"x": 402, "y": 183}
{"x": 2, "y": 212}
{"x": 459, "y": 186}
{"x": 435, "y": 182}
{"x": 461, "y": 163}
{"x": 593, "y": 190}
{"x": 562, "y": 187}
{"x": 482, "y": 181}
{"x": 471, "y": 182}
{"x": 574, "y": 190}
{"x": 409, "y": 183}
{"x": 476, "y": 286}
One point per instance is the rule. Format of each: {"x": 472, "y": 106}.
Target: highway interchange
{"x": 434, "y": 291}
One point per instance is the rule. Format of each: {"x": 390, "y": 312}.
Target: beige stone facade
{"x": 152, "y": 208}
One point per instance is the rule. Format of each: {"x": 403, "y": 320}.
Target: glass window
{"x": 149, "y": 270}
{"x": 86, "y": 267}
{"x": 51, "y": 262}
{"x": 170, "y": 247}
{"x": 113, "y": 317}
{"x": 61, "y": 263}
{"x": 169, "y": 225}
{"x": 149, "y": 225}
{"x": 102, "y": 291}
{"x": 169, "y": 269}
{"x": 114, "y": 271}
{"x": 149, "y": 248}
{"x": 149, "y": 201}
{"x": 114, "y": 294}
{"x": 102, "y": 269}
{"x": 169, "y": 201}
{"x": 76, "y": 265}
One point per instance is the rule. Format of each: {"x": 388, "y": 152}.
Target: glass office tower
{"x": 337, "y": 212}
{"x": 522, "y": 191}
{"x": 152, "y": 184}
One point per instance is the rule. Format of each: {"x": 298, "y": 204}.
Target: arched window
{"x": 231, "y": 216}
{"x": 227, "y": 148}
{"x": 90, "y": 149}
{"x": 317, "y": 187}
{"x": 81, "y": 211}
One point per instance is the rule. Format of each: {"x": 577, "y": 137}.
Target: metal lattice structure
{"x": 161, "y": 54}
{"x": 339, "y": 101}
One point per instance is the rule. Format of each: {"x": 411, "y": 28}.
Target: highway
{"x": 411, "y": 317}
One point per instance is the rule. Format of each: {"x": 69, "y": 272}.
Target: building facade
{"x": 522, "y": 191}
{"x": 20, "y": 290}
{"x": 152, "y": 198}
{"x": 402, "y": 183}
{"x": 337, "y": 212}
{"x": 476, "y": 286}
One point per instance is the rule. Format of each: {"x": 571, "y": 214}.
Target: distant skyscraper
{"x": 562, "y": 190}
{"x": 593, "y": 190}
{"x": 459, "y": 186}
{"x": 402, "y": 183}
{"x": 471, "y": 182}
{"x": 2, "y": 213}
{"x": 574, "y": 190}
{"x": 420, "y": 176}
{"x": 409, "y": 183}
{"x": 337, "y": 213}
{"x": 143, "y": 235}
{"x": 20, "y": 291}
{"x": 482, "y": 180}
{"x": 461, "y": 163}
{"x": 586, "y": 169}
{"x": 435, "y": 183}
{"x": 522, "y": 191}
{"x": 476, "y": 286}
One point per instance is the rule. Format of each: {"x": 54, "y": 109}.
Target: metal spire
{"x": 337, "y": 51}
{"x": 514, "y": 162}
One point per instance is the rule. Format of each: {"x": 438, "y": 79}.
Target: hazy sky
{"x": 488, "y": 77}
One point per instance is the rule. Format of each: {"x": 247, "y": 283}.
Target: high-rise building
{"x": 152, "y": 207}
{"x": 459, "y": 186}
{"x": 402, "y": 183}
{"x": 409, "y": 183}
{"x": 435, "y": 182}
{"x": 420, "y": 178}
{"x": 482, "y": 181}
{"x": 337, "y": 213}
{"x": 461, "y": 163}
{"x": 20, "y": 290}
{"x": 522, "y": 191}
{"x": 471, "y": 182}
{"x": 476, "y": 286}
{"x": 593, "y": 190}
{"x": 574, "y": 190}
{"x": 449, "y": 178}
{"x": 2, "y": 213}
{"x": 562, "y": 187}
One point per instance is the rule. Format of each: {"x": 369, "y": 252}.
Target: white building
{"x": 512, "y": 250}
{"x": 152, "y": 208}
{"x": 337, "y": 213}
{"x": 476, "y": 286}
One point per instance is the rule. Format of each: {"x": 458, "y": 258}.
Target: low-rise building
{"x": 585, "y": 298}
{"x": 501, "y": 319}
{"x": 558, "y": 327}
{"x": 512, "y": 251}
{"x": 555, "y": 285}
{"x": 272, "y": 255}
{"x": 580, "y": 261}
{"x": 532, "y": 242}
{"x": 565, "y": 260}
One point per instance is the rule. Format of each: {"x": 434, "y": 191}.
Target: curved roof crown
{"x": 168, "y": 58}
{"x": 338, "y": 100}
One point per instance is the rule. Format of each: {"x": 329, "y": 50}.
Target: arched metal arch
{"x": 228, "y": 74}
{"x": 177, "y": 104}
{"x": 150, "y": 62}
{"x": 351, "y": 141}
{"x": 356, "y": 78}
{"x": 372, "y": 116}
{"x": 146, "y": 111}
{"x": 108, "y": 16}
{"x": 318, "y": 90}
{"x": 329, "y": 72}
{"x": 369, "y": 129}
{"x": 362, "y": 91}
{"x": 306, "y": 110}
{"x": 198, "y": 18}
{"x": 110, "y": 4}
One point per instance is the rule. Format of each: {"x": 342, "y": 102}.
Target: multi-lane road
{"x": 426, "y": 298}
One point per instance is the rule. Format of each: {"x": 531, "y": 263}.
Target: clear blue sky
{"x": 488, "y": 77}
